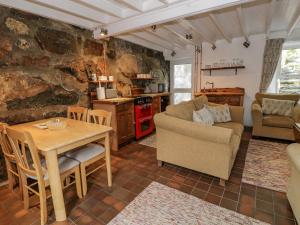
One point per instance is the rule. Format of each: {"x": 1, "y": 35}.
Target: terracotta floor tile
{"x": 203, "y": 186}
{"x": 216, "y": 190}
{"x": 213, "y": 199}
{"x": 265, "y": 206}
{"x": 264, "y": 216}
{"x": 283, "y": 221}
{"x": 231, "y": 195}
{"x": 108, "y": 215}
{"x": 199, "y": 193}
{"x": 229, "y": 204}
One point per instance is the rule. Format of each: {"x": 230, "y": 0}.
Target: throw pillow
{"x": 203, "y": 116}
{"x": 220, "y": 113}
{"x": 278, "y": 107}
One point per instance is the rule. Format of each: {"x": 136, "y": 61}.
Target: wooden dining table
{"x": 52, "y": 143}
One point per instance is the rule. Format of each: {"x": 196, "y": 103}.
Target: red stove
{"x": 143, "y": 112}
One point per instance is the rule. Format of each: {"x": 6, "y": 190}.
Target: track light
{"x": 173, "y": 53}
{"x": 103, "y": 32}
{"x": 153, "y": 27}
{"x": 246, "y": 43}
{"x": 188, "y": 36}
{"x": 213, "y": 47}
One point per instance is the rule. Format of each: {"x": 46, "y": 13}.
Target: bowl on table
{"x": 56, "y": 124}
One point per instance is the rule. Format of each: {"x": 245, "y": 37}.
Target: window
{"x": 289, "y": 75}
{"x": 181, "y": 83}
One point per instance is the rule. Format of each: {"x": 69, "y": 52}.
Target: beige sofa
{"x": 293, "y": 192}
{"x": 274, "y": 126}
{"x": 207, "y": 149}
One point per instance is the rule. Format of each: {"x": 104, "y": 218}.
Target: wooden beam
{"x": 174, "y": 11}
{"x": 270, "y": 17}
{"x": 134, "y": 4}
{"x": 72, "y": 8}
{"x": 295, "y": 20}
{"x": 219, "y": 27}
{"x": 178, "y": 35}
{"x": 105, "y": 6}
{"x": 164, "y": 40}
{"x": 50, "y": 13}
{"x": 187, "y": 24}
{"x": 242, "y": 21}
{"x": 164, "y": 1}
{"x": 139, "y": 35}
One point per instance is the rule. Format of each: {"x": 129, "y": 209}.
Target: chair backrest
{"x": 4, "y": 143}
{"x": 292, "y": 97}
{"x": 26, "y": 153}
{"x": 77, "y": 113}
{"x": 99, "y": 116}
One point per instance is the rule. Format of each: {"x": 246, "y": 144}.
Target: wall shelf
{"x": 224, "y": 68}
{"x": 142, "y": 78}
{"x": 102, "y": 81}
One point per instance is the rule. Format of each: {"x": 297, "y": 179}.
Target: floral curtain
{"x": 271, "y": 57}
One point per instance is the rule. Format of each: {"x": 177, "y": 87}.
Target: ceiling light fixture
{"x": 246, "y": 43}
{"x": 173, "y": 53}
{"x": 213, "y": 47}
{"x": 103, "y": 32}
{"x": 153, "y": 28}
{"x": 189, "y": 36}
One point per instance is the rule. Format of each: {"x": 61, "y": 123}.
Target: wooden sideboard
{"x": 231, "y": 96}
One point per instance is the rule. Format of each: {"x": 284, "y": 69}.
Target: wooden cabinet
{"x": 156, "y": 105}
{"x": 231, "y": 96}
{"x": 122, "y": 121}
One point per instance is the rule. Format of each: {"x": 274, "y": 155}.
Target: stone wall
{"x": 45, "y": 66}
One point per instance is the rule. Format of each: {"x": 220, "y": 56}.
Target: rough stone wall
{"x": 45, "y": 66}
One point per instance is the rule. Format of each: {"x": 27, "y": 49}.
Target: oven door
{"x": 144, "y": 126}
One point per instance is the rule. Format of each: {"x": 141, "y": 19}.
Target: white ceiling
{"x": 207, "y": 21}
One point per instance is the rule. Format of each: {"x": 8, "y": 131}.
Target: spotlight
{"x": 246, "y": 43}
{"x": 189, "y": 36}
{"x": 103, "y": 32}
{"x": 153, "y": 27}
{"x": 173, "y": 53}
{"x": 213, "y": 47}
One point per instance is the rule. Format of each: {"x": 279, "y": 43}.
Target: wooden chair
{"x": 34, "y": 170}
{"x": 92, "y": 152}
{"x": 77, "y": 113}
{"x": 10, "y": 160}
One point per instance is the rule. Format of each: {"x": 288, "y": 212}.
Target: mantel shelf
{"x": 224, "y": 68}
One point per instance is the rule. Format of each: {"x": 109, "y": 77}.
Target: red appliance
{"x": 143, "y": 112}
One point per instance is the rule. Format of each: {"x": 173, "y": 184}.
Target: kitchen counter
{"x": 114, "y": 101}
{"x": 154, "y": 94}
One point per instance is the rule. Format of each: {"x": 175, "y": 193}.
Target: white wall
{"x": 248, "y": 78}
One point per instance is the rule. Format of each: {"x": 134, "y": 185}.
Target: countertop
{"x": 218, "y": 93}
{"x": 122, "y": 100}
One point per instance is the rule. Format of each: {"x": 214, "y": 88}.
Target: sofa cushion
{"x": 236, "y": 127}
{"x": 200, "y": 101}
{"x": 277, "y": 107}
{"x": 278, "y": 121}
{"x": 182, "y": 110}
{"x": 203, "y": 116}
{"x": 221, "y": 113}
{"x": 292, "y": 97}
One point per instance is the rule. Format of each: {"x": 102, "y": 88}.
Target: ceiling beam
{"x": 188, "y": 25}
{"x": 139, "y": 41}
{"x": 178, "y": 35}
{"x": 165, "y": 39}
{"x": 164, "y": 1}
{"x": 295, "y": 20}
{"x": 270, "y": 17}
{"x": 138, "y": 35}
{"x": 70, "y": 7}
{"x": 219, "y": 27}
{"x": 134, "y": 4}
{"x": 242, "y": 22}
{"x": 50, "y": 13}
{"x": 174, "y": 11}
{"x": 105, "y": 6}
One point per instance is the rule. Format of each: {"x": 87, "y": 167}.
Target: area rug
{"x": 162, "y": 205}
{"x": 267, "y": 165}
{"x": 149, "y": 141}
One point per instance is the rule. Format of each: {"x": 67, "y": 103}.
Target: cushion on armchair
{"x": 277, "y": 107}
{"x": 278, "y": 121}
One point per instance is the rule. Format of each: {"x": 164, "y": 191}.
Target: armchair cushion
{"x": 292, "y": 97}
{"x": 200, "y": 101}
{"x": 278, "y": 107}
{"x": 182, "y": 110}
{"x": 278, "y": 121}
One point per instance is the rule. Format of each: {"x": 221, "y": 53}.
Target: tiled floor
{"x": 135, "y": 167}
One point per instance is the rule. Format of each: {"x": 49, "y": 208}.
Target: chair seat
{"x": 278, "y": 121}
{"x": 64, "y": 164}
{"x": 86, "y": 152}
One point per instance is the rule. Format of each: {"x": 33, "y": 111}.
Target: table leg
{"x": 55, "y": 185}
{"x": 108, "y": 162}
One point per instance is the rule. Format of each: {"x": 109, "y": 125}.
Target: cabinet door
{"x": 156, "y": 105}
{"x": 125, "y": 123}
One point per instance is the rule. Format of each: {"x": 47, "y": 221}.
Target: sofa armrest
{"x": 236, "y": 112}
{"x": 296, "y": 113}
{"x": 294, "y": 155}
{"x": 219, "y": 135}
{"x": 257, "y": 114}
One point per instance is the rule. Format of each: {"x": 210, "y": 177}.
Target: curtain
{"x": 271, "y": 57}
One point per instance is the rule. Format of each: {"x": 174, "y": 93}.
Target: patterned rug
{"x": 267, "y": 165}
{"x": 149, "y": 141}
{"x": 159, "y": 204}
